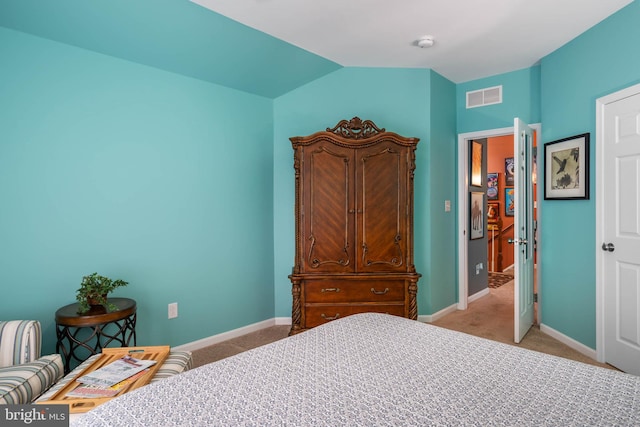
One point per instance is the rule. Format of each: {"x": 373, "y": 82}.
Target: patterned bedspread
{"x": 380, "y": 370}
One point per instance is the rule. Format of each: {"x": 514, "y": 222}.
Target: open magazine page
{"x": 116, "y": 372}
{"x": 93, "y": 391}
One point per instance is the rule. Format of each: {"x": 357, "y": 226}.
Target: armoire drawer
{"x": 328, "y": 291}
{"x": 321, "y": 314}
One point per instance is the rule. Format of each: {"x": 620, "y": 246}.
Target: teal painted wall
{"x": 601, "y": 61}
{"x": 161, "y": 179}
{"x": 520, "y": 98}
{"x": 396, "y": 99}
{"x": 136, "y": 173}
{"x": 435, "y": 238}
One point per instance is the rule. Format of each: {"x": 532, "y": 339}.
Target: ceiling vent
{"x": 482, "y": 97}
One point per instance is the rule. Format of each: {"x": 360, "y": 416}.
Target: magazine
{"x": 116, "y": 372}
{"x": 94, "y": 391}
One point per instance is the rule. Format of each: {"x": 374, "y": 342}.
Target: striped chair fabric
{"x": 175, "y": 363}
{"x": 24, "y": 375}
{"x": 23, "y": 383}
{"x": 20, "y": 342}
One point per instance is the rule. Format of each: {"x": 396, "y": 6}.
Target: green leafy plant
{"x": 94, "y": 290}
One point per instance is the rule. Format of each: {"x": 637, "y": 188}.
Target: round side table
{"x": 90, "y": 332}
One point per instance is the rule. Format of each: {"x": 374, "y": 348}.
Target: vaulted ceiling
{"x": 269, "y": 47}
{"x": 472, "y": 38}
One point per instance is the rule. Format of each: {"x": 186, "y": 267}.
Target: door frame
{"x": 599, "y": 148}
{"x": 463, "y": 209}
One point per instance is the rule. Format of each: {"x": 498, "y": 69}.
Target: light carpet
{"x": 489, "y": 317}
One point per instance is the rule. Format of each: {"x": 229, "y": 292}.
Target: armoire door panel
{"x": 383, "y": 208}
{"x": 327, "y": 209}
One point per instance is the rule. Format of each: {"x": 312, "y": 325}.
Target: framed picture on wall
{"x": 509, "y": 202}
{"x": 493, "y": 211}
{"x": 476, "y": 220}
{"x": 476, "y": 164}
{"x": 492, "y": 186}
{"x": 534, "y": 172}
{"x": 508, "y": 171}
{"x": 566, "y": 168}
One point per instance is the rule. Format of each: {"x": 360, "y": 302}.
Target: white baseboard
{"x": 215, "y": 339}
{"x": 428, "y": 318}
{"x": 283, "y": 320}
{"x": 478, "y": 295}
{"x": 577, "y": 346}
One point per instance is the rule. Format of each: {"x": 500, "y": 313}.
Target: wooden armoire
{"x": 354, "y": 224}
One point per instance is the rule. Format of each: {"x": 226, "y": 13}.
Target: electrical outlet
{"x": 173, "y": 310}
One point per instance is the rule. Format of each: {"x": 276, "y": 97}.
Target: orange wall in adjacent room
{"x": 498, "y": 149}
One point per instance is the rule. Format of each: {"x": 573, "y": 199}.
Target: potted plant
{"x": 93, "y": 291}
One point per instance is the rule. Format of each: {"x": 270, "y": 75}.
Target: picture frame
{"x": 566, "y": 168}
{"x": 509, "y": 202}
{"x": 493, "y": 211}
{"x": 476, "y": 164}
{"x": 476, "y": 217}
{"x": 509, "y": 172}
{"x": 534, "y": 172}
{"x": 492, "y": 186}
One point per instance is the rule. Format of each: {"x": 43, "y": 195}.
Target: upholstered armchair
{"x": 24, "y": 374}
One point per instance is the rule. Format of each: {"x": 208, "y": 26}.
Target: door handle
{"x": 608, "y": 247}
{"x": 517, "y": 241}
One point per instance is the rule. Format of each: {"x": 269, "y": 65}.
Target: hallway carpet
{"x": 492, "y": 317}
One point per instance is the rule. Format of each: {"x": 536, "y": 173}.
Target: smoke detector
{"x": 425, "y": 42}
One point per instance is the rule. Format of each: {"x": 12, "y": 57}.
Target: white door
{"x": 523, "y": 242}
{"x": 618, "y": 234}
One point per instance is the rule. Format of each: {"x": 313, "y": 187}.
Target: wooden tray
{"x": 79, "y": 404}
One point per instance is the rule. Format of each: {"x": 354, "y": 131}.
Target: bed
{"x": 380, "y": 370}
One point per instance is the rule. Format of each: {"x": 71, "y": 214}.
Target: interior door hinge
{"x": 535, "y": 297}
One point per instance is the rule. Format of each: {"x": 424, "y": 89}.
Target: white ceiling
{"x": 473, "y": 38}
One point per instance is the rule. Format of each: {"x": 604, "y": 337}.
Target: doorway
{"x": 463, "y": 212}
